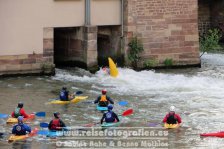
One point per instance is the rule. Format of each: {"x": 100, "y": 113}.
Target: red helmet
{"x": 104, "y": 91}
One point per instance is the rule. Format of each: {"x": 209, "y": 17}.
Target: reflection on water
{"x": 197, "y": 93}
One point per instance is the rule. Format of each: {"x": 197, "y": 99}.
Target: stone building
{"x": 37, "y": 35}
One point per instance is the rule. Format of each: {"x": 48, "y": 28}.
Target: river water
{"x": 197, "y": 93}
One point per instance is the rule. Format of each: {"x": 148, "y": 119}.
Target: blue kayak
{"x": 101, "y": 108}
{"x": 49, "y": 133}
{"x": 55, "y": 134}
{"x": 114, "y": 124}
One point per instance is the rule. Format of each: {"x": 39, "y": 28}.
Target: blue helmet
{"x": 110, "y": 107}
{"x": 20, "y": 119}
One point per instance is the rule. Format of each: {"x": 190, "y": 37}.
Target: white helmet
{"x": 172, "y": 108}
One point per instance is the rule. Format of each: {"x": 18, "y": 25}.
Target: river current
{"x": 197, "y": 94}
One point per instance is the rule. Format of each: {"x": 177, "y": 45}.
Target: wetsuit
{"x": 21, "y": 129}
{"x": 56, "y": 124}
{"x": 103, "y": 100}
{"x": 19, "y": 112}
{"x": 110, "y": 117}
{"x": 172, "y": 118}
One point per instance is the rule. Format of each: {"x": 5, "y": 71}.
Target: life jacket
{"x": 103, "y": 101}
{"x": 171, "y": 119}
{"x": 17, "y": 112}
{"x": 63, "y": 95}
{"x": 109, "y": 117}
{"x": 103, "y": 98}
{"x": 55, "y": 124}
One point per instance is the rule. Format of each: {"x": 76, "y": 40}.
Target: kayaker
{"x": 110, "y": 116}
{"x": 104, "y": 100}
{"x": 19, "y": 111}
{"x": 172, "y": 117}
{"x": 106, "y": 70}
{"x": 56, "y": 124}
{"x": 64, "y": 94}
{"x": 21, "y": 128}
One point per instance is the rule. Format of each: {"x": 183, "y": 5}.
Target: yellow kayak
{"x": 13, "y": 138}
{"x": 12, "y": 120}
{"x": 113, "y": 68}
{"x": 171, "y": 126}
{"x": 75, "y": 100}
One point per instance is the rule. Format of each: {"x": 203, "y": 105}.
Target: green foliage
{"x": 136, "y": 48}
{"x": 168, "y": 62}
{"x": 210, "y": 41}
{"x": 150, "y": 63}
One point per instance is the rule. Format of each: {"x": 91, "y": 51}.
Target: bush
{"x": 168, "y": 62}
{"x": 210, "y": 41}
{"x": 136, "y": 48}
{"x": 150, "y": 63}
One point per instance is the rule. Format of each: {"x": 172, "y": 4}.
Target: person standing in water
{"x": 172, "y": 117}
{"x": 103, "y": 100}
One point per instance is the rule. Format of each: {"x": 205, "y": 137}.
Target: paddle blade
{"x": 44, "y": 125}
{"x": 3, "y": 115}
{"x": 40, "y": 114}
{"x": 123, "y": 103}
{"x": 43, "y": 132}
{"x": 127, "y": 112}
{"x": 78, "y": 92}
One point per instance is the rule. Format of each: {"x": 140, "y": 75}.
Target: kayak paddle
{"x": 122, "y": 103}
{"x": 39, "y": 114}
{"x": 75, "y": 93}
{"x": 125, "y": 113}
{"x": 44, "y": 125}
{"x": 78, "y": 93}
{"x": 3, "y": 115}
{"x": 43, "y": 132}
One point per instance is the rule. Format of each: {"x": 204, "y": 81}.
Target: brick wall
{"x": 167, "y": 28}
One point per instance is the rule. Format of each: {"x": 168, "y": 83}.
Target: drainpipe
{"x": 87, "y": 12}
{"x": 122, "y": 32}
{"x": 122, "y": 18}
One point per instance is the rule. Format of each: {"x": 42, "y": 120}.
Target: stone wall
{"x": 217, "y": 15}
{"x": 90, "y": 47}
{"x": 68, "y": 48}
{"x": 167, "y": 28}
{"x": 204, "y": 18}
{"x": 108, "y": 44}
{"x": 31, "y": 63}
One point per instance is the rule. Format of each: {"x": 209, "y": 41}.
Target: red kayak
{"x": 214, "y": 134}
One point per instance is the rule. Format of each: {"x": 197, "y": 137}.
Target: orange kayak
{"x": 12, "y": 120}
{"x": 13, "y": 138}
